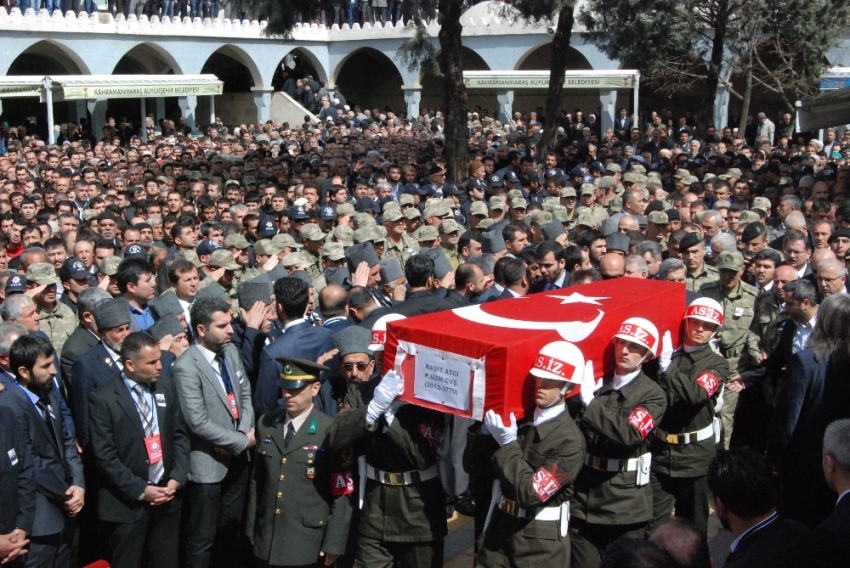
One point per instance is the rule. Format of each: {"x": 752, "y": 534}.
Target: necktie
{"x": 290, "y": 433}
{"x": 155, "y": 470}
{"x": 46, "y": 412}
{"x": 225, "y": 376}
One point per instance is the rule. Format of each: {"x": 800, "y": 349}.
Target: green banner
{"x": 94, "y": 91}
{"x": 541, "y": 81}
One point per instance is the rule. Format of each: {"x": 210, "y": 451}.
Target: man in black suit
{"x": 830, "y": 547}
{"x": 85, "y": 336}
{"x": 515, "y": 275}
{"x": 469, "y": 283}
{"x": 251, "y": 329}
{"x": 419, "y": 273}
{"x": 17, "y": 488}
{"x": 102, "y": 363}
{"x": 364, "y": 308}
{"x": 550, "y": 257}
{"x": 142, "y": 449}
{"x": 58, "y": 469}
{"x": 744, "y": 497}
{"x": 333, "y": 305}
{"x": 300, "y": 340}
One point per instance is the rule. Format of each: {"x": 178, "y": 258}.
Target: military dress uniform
{"x": 684, "y": 443}
{"x": 529, "y": 514}
{"x": 613, "y": 495}
{"x": 738, "y": 344}
{"x": 403, "y": 516}
{"x": 299, "y": 497}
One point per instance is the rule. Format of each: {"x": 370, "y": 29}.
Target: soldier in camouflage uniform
{"x": 58, "y": 321}
{"x": 738, "y": 344}
{"x": 313, "y": 239}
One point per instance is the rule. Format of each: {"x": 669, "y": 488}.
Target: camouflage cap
{"x": 364, "y": 235}
{"x": 192, "y": 257}
{"x": 42, "y": 273}
{"x": 284, "y": 240}
{"x": 485, "y": 224}
{"x": 265, "y": 247}
{"x": 363, "y": 220}
{"x": 223, "y": 258}
{"x": 393, "y": 214}
{"x": 730, "y": 260}
{"x": 568, "y": 191}
{"x": 311, "y": 232}
{"x": 478, "y": 208}
{"x": 519, "y": 203}
{"x": 427, "y": 233}
{"x": 561, "y": 214}
{"x": 586, "y": 220}
{"x": 658, "y": 218}
{"x": 109, "y": 265}
{"x": 762, "y": 203}
{"x": 748, "y": 217}
{"x": 587, "y": 189}
{"x": 345, "y": 209}
{"x": 406, "y": 199}
{"x": 237, "y": 241}
{"x": 497, "y": 202}
{"x": 541, "y": 217}
{"x": 293, "y": 259}
{"x": 449, "y": 226}
{"x": 515, "y": 194}
{"x": 344, "y": 235}
{"x": 333, "y": 251}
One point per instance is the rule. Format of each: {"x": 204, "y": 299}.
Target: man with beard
{"x": 58, "y": 468}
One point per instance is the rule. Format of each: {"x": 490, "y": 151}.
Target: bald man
{"x": 611, "y": 266}
{"x": 628, "y": 223}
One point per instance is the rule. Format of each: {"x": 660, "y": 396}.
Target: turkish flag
{"x": 469, "y": 360}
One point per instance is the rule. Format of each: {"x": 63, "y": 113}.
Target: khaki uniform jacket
{"x": 402, "y": 252}
{"x": 300, "y": 496}
{"x": 696, "y": 281}
{"x": 692, "y": 384}
{"x": 314, "y": 269}
{"x": 767, "y": 313}
{"x": 618, "y": 424}
{"x": 738, "y": 344}
{"x": 393, "y": 513}
{"x": 58, "y": 324}
{"x": 555, "y": 448}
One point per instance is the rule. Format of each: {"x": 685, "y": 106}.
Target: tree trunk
{"x": 454, "y": 92}
{"x": 747, "y": 95}
{"x": 715, "y": 64}
{"x": 560, "y": 47}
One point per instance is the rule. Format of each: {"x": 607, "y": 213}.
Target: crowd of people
{"x": 191, "y": 352}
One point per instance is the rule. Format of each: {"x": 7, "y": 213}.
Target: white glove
{"x": 666, "y": 351}
{"x": 502, "y": 434}
{"x": 389, "y": 415}
{"x": 588, "y": 384}
{"x": 385, "y": 393}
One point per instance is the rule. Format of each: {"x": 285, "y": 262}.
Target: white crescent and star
{"x": 573, "y": 331}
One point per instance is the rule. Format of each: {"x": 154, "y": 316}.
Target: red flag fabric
{"x": 469, "y": 360}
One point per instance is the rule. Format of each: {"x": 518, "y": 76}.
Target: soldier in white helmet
{"x": 613, "y": 496}
{"x": 684, "y": 444}
{"x": 534, "y": 464}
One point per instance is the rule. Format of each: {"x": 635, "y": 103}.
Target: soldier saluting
{"x": 684, "y": 442}
{"x": 613, "y": 496}
{"x": 299, "y": 499}
{"x": 535, "y": 464}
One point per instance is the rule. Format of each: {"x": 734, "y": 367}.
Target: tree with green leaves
{"x": 563, "y": 13}
{"x": 418, "y": 53}
{"x": 687, "y": 46}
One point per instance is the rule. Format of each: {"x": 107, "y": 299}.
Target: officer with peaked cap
{"x": 534, "y": 464}
{"x": 613, "y": 495}
{"x": 300, "y": 495}
{"x": 402, "y": 517}
{"x": 685, "y": 440}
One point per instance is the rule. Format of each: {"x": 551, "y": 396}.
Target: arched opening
{"x": 43, "y": 58}
{"x": 145, "y": 59}
{"x": 299, "y": 64}
{"x": 540, "y": 58}
{"x": 432, "y": 86}
{"x": 239, "y": 73}
{"x": 369, "y": 79}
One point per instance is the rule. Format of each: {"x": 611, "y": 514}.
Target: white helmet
{"x": 379, "y": 331}
{"x": 642, "y": 332}
{"x": 705, "y": 309}
{"x": 559, "y": 361}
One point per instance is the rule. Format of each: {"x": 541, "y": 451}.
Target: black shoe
{"x": 465, "y": 505}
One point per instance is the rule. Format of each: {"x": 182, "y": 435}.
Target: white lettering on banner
{"x": 542, "y": 82}
{"x": 442, "y": 379}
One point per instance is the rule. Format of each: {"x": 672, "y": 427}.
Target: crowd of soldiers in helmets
{"x": 277, "y": 256}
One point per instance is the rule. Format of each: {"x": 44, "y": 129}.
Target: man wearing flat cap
{"x": 300, "y": 499}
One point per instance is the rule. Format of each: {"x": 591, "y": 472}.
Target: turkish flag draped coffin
{"x": 469, "y": 360}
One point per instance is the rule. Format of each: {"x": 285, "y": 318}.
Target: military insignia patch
{"x": 313, "y": 427}
{"x": 311, "y": 473}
